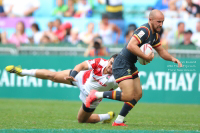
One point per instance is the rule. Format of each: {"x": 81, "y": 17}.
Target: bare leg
{"x": 88, "y": 117}
{"x": 131, "y": 89}
{"x": 44, "y": 74}
{"x": 131, "y": 94}
{"x": 53, "y": 76}
{"x": 134, "y": 92}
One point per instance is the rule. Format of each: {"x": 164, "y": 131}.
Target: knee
{"x": 140, "y": 95}
{"x": 94, "y": 119}
{"x": 80, "y": 120}
{"x": 130, "y": 96}
{"x": 127, "y": 97}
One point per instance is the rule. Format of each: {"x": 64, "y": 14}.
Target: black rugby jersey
{"x": 143, "y": 35}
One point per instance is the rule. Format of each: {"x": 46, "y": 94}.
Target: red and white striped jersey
{"x": 94, "y": 77}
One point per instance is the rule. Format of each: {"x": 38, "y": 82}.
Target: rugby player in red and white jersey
{"x": 88, "y": 75}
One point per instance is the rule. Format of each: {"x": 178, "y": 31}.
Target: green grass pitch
{"x": 60, "y": 116}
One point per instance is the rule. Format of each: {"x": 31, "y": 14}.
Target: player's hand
{"x": 150, "y": 57}
{"x": 177, "y": 61}
{"x": 70, "y": 78}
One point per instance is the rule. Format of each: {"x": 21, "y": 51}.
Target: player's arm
{"x": 76, "y": 70}
{"x": 166, "y": 56}
{"x": 138, "y": 37}
{"x": 81, "y": 66}
{"x": 86, "y": 65}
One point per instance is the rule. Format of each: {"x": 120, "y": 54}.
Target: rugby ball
{"x": 146, "y": 49}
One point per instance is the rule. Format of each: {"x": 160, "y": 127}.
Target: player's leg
{"x": 53, "y": 76}
{"x": 41, "y": 73}
{"x": 85, "y": 115}
{"x": 131, "y": 89}
{"x": 137, "y": 94}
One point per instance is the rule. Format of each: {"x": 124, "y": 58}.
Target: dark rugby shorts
{"x": 123, "y": 69}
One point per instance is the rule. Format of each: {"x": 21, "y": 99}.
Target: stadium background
{"x": 162, "y": 81}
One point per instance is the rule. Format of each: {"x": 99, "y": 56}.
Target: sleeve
{"x": 141, "y": 34}
{"x": 157, "y": 42}
{"x": 92, "y": 64}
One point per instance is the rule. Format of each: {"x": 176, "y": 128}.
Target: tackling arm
{"x": 81, "y": 66}
{"x": 76, "y": 70}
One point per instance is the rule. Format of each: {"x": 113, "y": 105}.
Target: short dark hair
{"x": 114, "y": 56}
{"x": 180, "y": 23}
{"x": 35, "y": 26}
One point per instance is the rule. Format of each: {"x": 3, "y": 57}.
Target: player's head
{"x": 156, "y": 19}
{"x": 110, "y": 63}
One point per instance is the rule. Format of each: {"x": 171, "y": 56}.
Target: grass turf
{"x": 47, "y": 114}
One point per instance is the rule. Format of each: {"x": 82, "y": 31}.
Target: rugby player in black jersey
{"x": 125, "y": 71}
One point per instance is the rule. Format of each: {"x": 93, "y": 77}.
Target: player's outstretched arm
{"x": 81, "y": 66}
{"x": 166, "y": 56}
{"x": 76, "y": 70}
{"x": 133, "y": 48}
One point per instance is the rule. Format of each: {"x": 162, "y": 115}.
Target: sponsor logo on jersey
{"x": 140, "y": 34}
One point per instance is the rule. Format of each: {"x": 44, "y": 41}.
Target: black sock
{"x": 115, "y": 95}
{"x": 127, "y": 107}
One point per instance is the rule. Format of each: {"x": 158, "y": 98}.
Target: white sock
{"x": 104, "y": 117}
{"x": 99, "y": 95}
{"x": 26, "y": 72}
{"x": 120, "y": 119}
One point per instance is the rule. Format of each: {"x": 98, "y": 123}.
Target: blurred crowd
{"x": 97, "y": 43}
{"x": 179, "y": 8}
{"x": 181, "y": 36}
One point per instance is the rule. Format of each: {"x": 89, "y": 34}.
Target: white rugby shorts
{"x": 84, "y": 92}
